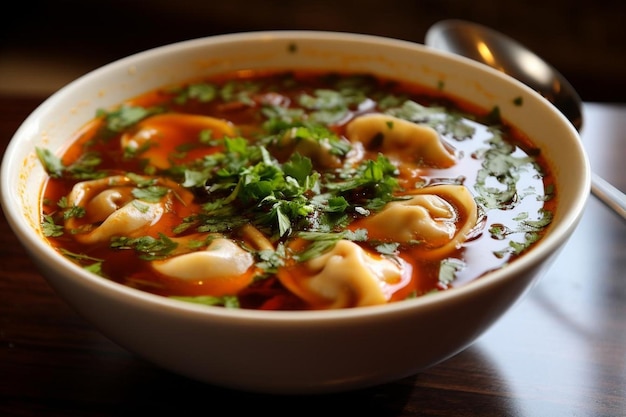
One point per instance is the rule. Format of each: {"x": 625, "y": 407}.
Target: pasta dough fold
{"x": 391, "y": 135}
{"x": 437, "y": 218}
{"x": 221, "y": 268}
{"x": 346, "y": 276}
{"x": 156, "y": 137}
{"x": 111, "y": 209}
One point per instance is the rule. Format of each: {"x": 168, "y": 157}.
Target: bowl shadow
{"x": 456, "y": 385}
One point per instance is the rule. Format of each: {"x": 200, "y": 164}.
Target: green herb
{"x": 80, "y": 256}
{"x": 95, "y": 268}
{"x": 51, "y": 163}
{"x": 531, "y": 231}
{"x": 150, "y": 194}
{"x": 323, "y": 242}
{"x": 445, "y": 121}
{"x": 94, "y": 264}
{"x": 448, "y": 269}
{"x": 70, "y": 211}
{"x": 271, "y": 260}
{"x": 330, "y": 106}
{"x": 375, "y": 179}
{"x": 390, "y": 248}
{"x": 84, "y": 168}
{"x": 49, "y": 228}
{"x": 74, "y": 212}
{"x": 150, "y": 248}
{"x": 203, "y": 92}
{"x": 125, "y": 116}
{"x": 224, "y": 301}
{"x": 496, "y": 182}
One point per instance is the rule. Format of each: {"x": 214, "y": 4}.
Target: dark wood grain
{"x": 560, "y": 351}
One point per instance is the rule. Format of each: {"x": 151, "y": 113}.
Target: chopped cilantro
{"x": 228, "y": 301}
{"x": 271, "y": 260}
{"x": 150, "y": 194}
{"x": 322, "y": 242}
{"x": 84, "y": 168}
{"x": 51, "y": 163}
{"x": 390, "y": 248}
{"x": 448, "y": 269}
{"x": 49, "y": 228}
{"x": 203, "y": 92}
{"x": 125, "y": 116}
{"x": 149, "y": 248}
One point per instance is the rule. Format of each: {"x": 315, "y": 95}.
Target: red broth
{"x": 270, "y": 163}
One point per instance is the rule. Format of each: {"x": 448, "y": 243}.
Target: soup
{"x": 295, "y": 190}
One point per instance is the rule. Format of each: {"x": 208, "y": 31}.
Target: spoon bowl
{"x": 503, "y": 53}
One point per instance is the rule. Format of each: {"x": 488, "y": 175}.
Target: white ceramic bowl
{"x": 290, "y": 352}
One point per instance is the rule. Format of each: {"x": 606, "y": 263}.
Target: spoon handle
{"x": 609, "y": 195}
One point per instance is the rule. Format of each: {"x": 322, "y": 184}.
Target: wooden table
{"x": 560, "y": 352}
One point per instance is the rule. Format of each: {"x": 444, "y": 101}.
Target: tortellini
{"x": 156, "y": 137}
{"x": 221, "y": 268}
{"x": 392, "y": 135}
{"x": 437, "y": 218}
{"x": 346, "y": 276}
{"x": 320, "y": 150}
{"x": 110, "y": 209}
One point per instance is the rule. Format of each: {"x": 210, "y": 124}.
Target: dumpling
{"x": 157, "y": 137}
{"x": 222, "y": 268}
{"x": 391, "y": 135}
{"x": 321, "y": 151}
{"x": 438, "y": 218}
{"x": 346, "y": 276}
{"x": 111, "y": 209}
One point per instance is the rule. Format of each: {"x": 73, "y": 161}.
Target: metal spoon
{"x": 497, "y": 50}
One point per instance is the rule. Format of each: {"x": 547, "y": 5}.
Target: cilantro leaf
{"x": 323, "y": 242}
{"x": 49, "y": 228}
{"x": 227, "y": 301}
{"x": 150, "y": 248}
{"x": 125, "y": 116}
{"x": 51, "y": 163}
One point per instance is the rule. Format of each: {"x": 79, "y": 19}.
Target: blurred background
{"x": 46, "y": 44}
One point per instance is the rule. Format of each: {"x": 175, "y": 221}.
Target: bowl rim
{"x": 550, "y": 243}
